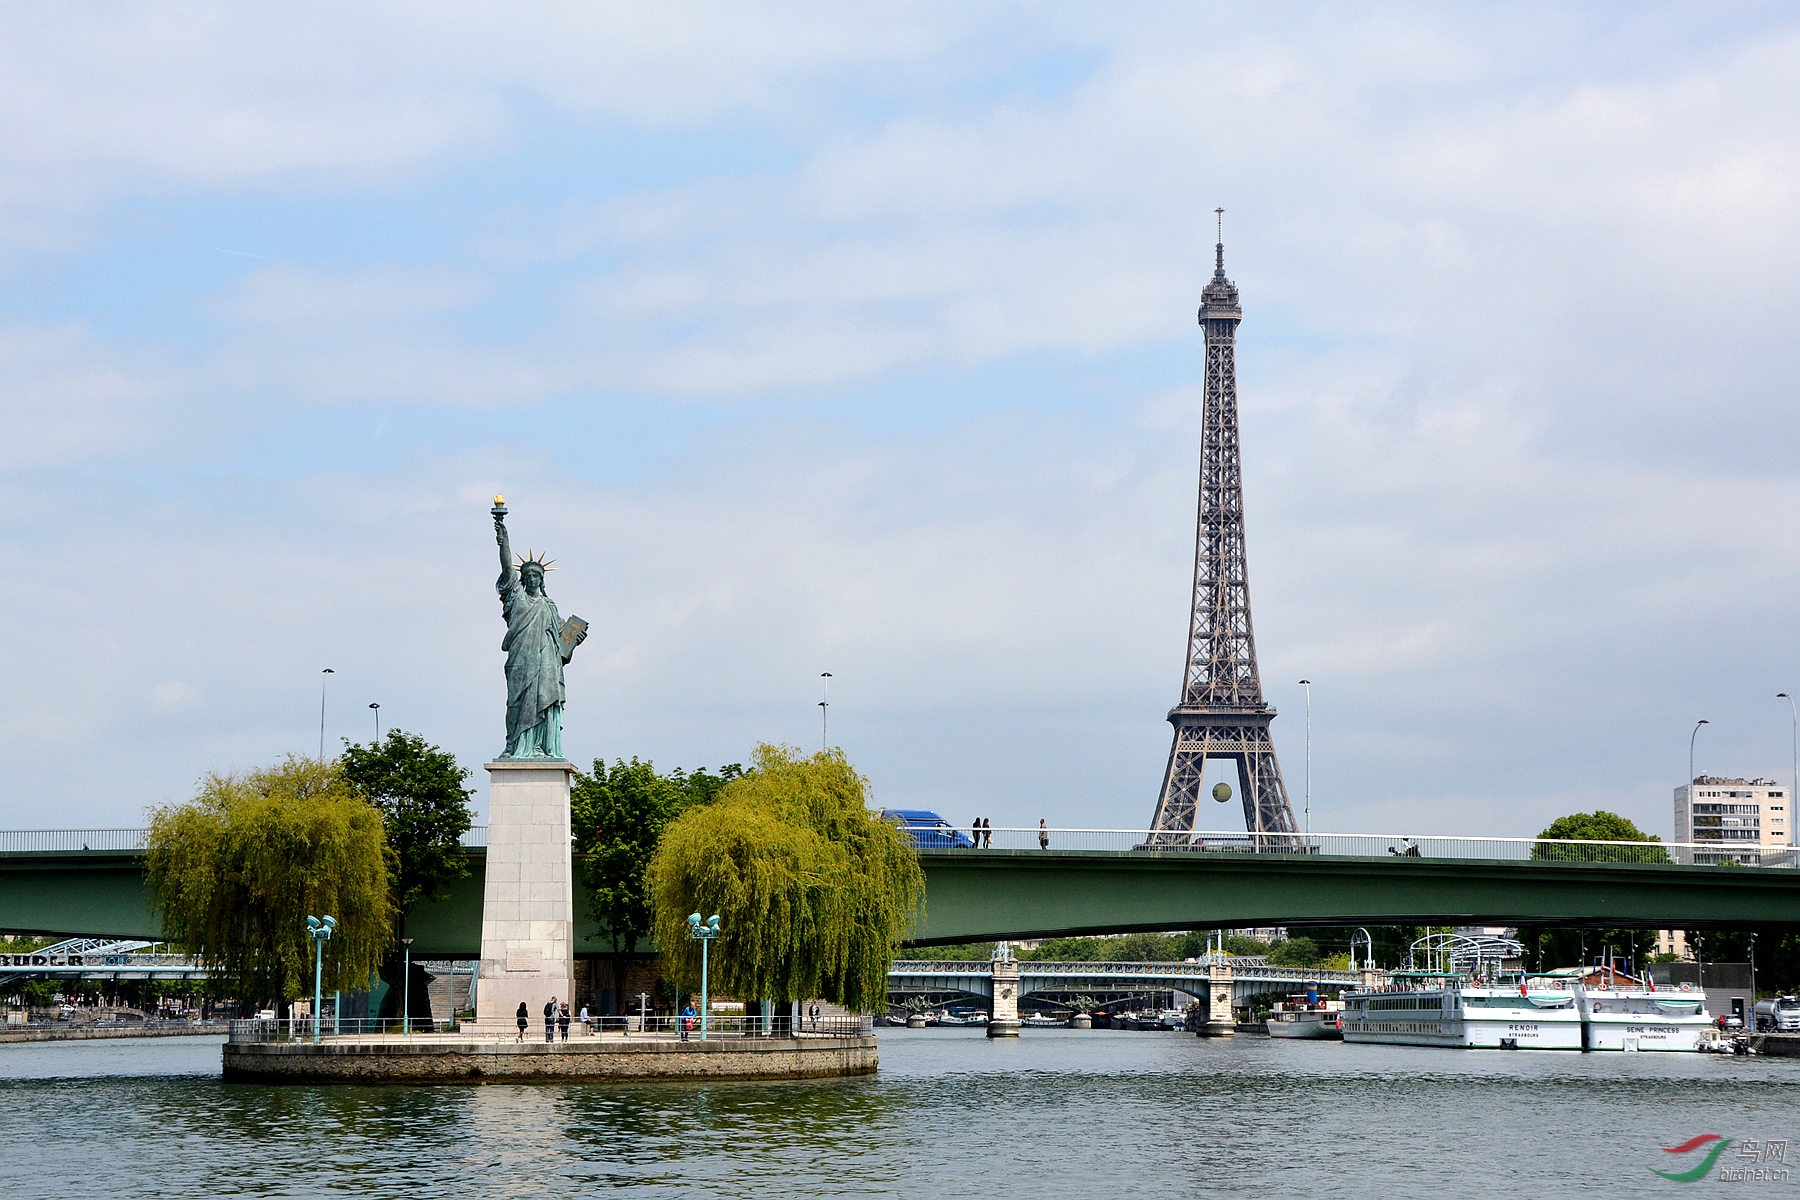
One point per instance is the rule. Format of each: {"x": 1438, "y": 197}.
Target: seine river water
{"x": 1056, "y": 1113}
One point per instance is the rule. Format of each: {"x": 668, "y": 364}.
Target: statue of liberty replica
{"x": 528, "y": 900}
{"x": 538, "y": 642}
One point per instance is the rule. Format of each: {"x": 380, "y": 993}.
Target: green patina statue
{"x": 538, "y": 642}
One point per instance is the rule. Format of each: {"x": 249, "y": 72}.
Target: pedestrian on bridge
{"x": 524, "y": 1015}
{"x": 550, "y": 1020}
{"x": 562, "y": 1021}
{"x": 975, "y": 835}
{"x": 1043, "y": 835}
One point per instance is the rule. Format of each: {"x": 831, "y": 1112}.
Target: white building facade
{"x": 1734, "y": 812}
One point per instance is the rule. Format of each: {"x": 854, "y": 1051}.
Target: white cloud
{"x": 881, "y": 384}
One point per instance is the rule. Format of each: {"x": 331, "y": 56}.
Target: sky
{"x": 821, "y": 338}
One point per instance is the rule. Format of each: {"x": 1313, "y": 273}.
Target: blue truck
{"x": 929, "y": 831}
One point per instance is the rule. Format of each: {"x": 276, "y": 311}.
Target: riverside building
{"x": 1734, "y": 812}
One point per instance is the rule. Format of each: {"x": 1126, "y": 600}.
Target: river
{"x": 1055, "y": 1113}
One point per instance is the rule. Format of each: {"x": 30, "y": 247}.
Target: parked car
{"x": 929, "y": 831}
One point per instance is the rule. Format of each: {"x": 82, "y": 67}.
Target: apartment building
{"x": 1734, "y": 812}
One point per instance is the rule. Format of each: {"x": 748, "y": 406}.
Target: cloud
{"x": 828, "y": 340}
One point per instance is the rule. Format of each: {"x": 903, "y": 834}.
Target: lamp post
{"x": 1307, "y": 684}
{"x": 377, "y": 710}
{"x": 703, "y": 932}
{"x": 324, "y": 678}
{"x": 406, "y": 988}
{"x": 319, "y": 928}
{"x": 1691, "y": 738}
{"x": 825, "y": 711}
{"x": 1796, "y": 776}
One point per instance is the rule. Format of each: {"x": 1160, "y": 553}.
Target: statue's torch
{"x": 499, "y": 509}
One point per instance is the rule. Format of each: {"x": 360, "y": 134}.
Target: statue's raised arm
{"x": 506, "y": 561}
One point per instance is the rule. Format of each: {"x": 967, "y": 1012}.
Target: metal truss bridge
{"x": 91, "y": 883}
{"x": 942, "y": 977}
{"x": 96, "y": 958}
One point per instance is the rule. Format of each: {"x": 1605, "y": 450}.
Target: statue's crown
{"x": 536, "y": 560}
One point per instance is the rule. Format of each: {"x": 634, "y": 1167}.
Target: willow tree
{"x": 235, "y": 872}
{"x": 814, "y": 892}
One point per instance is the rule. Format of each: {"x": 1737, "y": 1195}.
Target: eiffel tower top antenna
{"x": 1219, "y": 249}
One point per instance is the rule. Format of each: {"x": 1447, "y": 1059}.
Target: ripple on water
{"x": 1055, "y": 1113}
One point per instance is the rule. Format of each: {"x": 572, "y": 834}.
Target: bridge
{"x": 90, "y": 883}
{"x": 944, "y": 977}
{"x": 97, "y": 958}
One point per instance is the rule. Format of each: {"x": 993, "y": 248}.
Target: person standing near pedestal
{"x": 527, "y": 920}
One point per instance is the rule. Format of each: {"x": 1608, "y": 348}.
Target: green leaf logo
{"x": 1706, "y": 1164}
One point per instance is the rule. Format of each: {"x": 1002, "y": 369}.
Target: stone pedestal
{"x": 528, "y": 904}
{"x": 1215, "y": 1003}
{"x": 1003, "y": 1020}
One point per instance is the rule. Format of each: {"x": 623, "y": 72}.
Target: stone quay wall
{"x": 82, "y": 1033}
{"x": 451, "y": 1060}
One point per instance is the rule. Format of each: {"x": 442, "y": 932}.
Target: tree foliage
{"x": 1550, "y": 947}
{"x": 813, "y": 890}
{"x": 1597, "y": 826}
{"x": 235, "y": 872}
{"x": 418, "y": 789}
{"x": 618, "y": 815}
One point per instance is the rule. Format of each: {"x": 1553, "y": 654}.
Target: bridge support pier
{"x": 1215, "y": 1005}
{"x": 1003, "y": 1020}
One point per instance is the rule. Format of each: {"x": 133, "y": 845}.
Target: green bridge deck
{"x": 980, "y": 895}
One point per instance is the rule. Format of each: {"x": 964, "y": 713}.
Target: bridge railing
{"x": 1031, "y": 838}
{"x": 1140, "y": 970}
{"x": 42, "y": 841}
{"x": 719, "y": 1026}
{"x": 1382, "y": 845}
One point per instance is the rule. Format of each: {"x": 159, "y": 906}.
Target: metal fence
{"x": 1326, "y": 845}
{"x": 1380, "y": 845}
{"x": 732, "y": 1027}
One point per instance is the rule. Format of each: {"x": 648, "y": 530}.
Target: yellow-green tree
{"x": 235, "y": 872}
{"x": 814, "y": 892}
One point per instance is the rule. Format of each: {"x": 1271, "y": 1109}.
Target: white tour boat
{"x": 1621, "y": 1013}
{"x": 1463, "y": 1002}
{"x": 1422, "y": 1008}
{"x": 1298, "y": 1017}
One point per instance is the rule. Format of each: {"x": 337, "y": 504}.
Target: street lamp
{"x": 377, "y": 710}
{"x": 406, "y": 989}
{"x": 1796, "y": 775}
{"x": 319, "y": 929}
{"x": 703, "y": 932}
{"x": 1307, "y": 684}
{"x": 824, "y": 711}
{"x": 322, "y": 682}
{"x": 1691, "y": 738}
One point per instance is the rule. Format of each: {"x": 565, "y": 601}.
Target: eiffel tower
{"x": 1222, "y": 714}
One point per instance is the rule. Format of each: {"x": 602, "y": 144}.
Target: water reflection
{"x": 1053, "y": 1114}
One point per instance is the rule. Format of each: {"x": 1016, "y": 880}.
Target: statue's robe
{"x": 534, "y": 670}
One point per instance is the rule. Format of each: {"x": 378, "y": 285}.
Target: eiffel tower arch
{"x": 1222, "y": 714}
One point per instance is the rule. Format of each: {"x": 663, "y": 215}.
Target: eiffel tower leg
{"x": 1265, "y": 794}
{"x": 1178, "y": 808}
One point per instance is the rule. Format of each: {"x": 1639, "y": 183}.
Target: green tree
{"x": 966, "y": 952}
{"x": 235, "y": 872}
{"x": 1549, "y": 947}
{"x": 814, "y": 891}
{"x": 1296, "y": 952}
{"x": 1598, "y": 826}
{"x": 618, "y": 815}
{"x": 418, "y": 789}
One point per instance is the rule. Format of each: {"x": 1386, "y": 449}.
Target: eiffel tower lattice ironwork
{"x": 1222, "y": 714}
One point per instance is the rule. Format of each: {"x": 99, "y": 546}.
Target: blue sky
{"x": 817, "y": 340}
